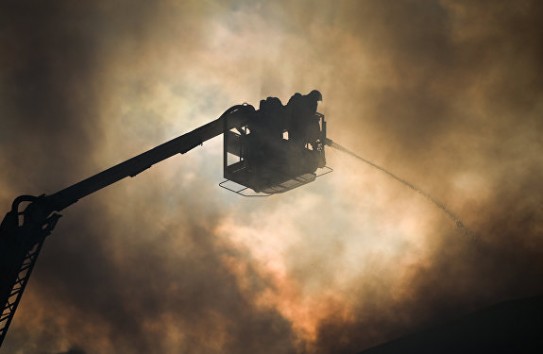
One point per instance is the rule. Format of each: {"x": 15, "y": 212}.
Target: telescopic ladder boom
{"x": 22, "y": 232}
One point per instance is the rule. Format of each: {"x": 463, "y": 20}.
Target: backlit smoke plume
{"x": 447, "y": 94}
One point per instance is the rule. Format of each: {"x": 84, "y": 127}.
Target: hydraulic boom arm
{"x": 237, "y": 115}
{"x": 22, "y": 232}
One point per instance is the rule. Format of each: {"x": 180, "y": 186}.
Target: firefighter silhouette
{"x": 266, "y": 137}
{"x": 269, "y": 154}
{"x": 304, "y": 130}
{"x": 303, "y": 124}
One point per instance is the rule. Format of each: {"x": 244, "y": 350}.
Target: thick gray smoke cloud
{"x": 445, "y": 94}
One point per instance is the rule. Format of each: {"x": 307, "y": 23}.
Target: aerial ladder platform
{"x": 266, "y": 151}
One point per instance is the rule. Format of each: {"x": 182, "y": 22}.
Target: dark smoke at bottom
{"x": 458, "y": 222}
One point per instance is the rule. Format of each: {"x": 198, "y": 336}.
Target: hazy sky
{"x": 446, "y": 94}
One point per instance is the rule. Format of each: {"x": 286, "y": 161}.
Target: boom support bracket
{"x": 22, "y": 234}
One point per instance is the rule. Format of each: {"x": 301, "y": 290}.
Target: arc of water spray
{"x": 458, "y": 222}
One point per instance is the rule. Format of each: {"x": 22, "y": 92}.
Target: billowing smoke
{"x": 444, "y": 94}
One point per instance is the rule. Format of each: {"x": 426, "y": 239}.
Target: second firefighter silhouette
{"x": 280, "y": 147}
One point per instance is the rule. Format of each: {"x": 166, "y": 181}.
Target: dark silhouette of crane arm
{"x": 235, "y": 116}
{"x": 32, "y": 218}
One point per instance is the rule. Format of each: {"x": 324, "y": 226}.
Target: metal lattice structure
{"x": 17, "y": 289}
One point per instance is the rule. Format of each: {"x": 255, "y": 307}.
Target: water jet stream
{"x": 458, "y": 222}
